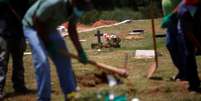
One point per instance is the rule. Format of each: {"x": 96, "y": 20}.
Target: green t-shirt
{"x": 169, "y": 5}
{"x": 51, "y": 12}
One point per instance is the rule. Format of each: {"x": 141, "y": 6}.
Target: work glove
{"x": 83, "y": 57}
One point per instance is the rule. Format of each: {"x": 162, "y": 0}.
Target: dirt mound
{"x": 79, "y": 25}
{"x": 91, "y": 80}
{"x": 103, "y": 22}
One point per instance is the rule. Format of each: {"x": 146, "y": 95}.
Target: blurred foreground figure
{"x": 189, "y": 26}
{"x": 12, "y": 43}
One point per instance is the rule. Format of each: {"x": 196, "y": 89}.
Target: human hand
{"x": 83, "y": 57}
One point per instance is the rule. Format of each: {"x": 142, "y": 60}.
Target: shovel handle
{"x": 121, "y": 71}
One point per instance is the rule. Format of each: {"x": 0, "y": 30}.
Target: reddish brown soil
{"x": 103, "y": 22}
{"x": 98, "y": 23}
{"x": 92, "y": 80}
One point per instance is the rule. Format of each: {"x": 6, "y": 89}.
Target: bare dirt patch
{"x": 92, "y": 80}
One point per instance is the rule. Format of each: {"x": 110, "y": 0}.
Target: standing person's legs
{"x": 41, "y": 64}
{"x": 174, "y": 47}
{"x": 182, "y": 55}
{"x": 16, "y": 48}
{"x": 63, "y": 63}
{"x": 190, "y": 66}
{"x": 192, "y": 73}
{"x": 3, "y": 65}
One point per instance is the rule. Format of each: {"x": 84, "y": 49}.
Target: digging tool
{"x": 154, "y": 66}
{"x": 121, "y": 71}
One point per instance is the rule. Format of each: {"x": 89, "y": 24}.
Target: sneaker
{"x": 72, "y": 96}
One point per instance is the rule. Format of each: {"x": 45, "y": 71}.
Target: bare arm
{"x": 75, "y": 39}
{"x": 74, "y": 34}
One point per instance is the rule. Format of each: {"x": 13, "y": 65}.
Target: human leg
{"x": 40, "y": 61}
{"x": 63, "y": 64}
{"x": 192, "y": 73}
{"x": 16, "y": 48}
{"x": 190, "y": 66}
{"x": 175, "y": 46}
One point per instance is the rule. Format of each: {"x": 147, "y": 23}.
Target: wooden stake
{"x": 154, "y": 66}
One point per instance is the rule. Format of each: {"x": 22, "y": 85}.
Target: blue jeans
{"x": 42, "y": 67}
{"x": 175, "y": 44}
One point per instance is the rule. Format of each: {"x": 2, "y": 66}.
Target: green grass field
{"x": 136, "y": 85}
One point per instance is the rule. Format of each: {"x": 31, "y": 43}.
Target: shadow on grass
{"x": 156, "y": 78}
{"x": 13, "y": 94}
